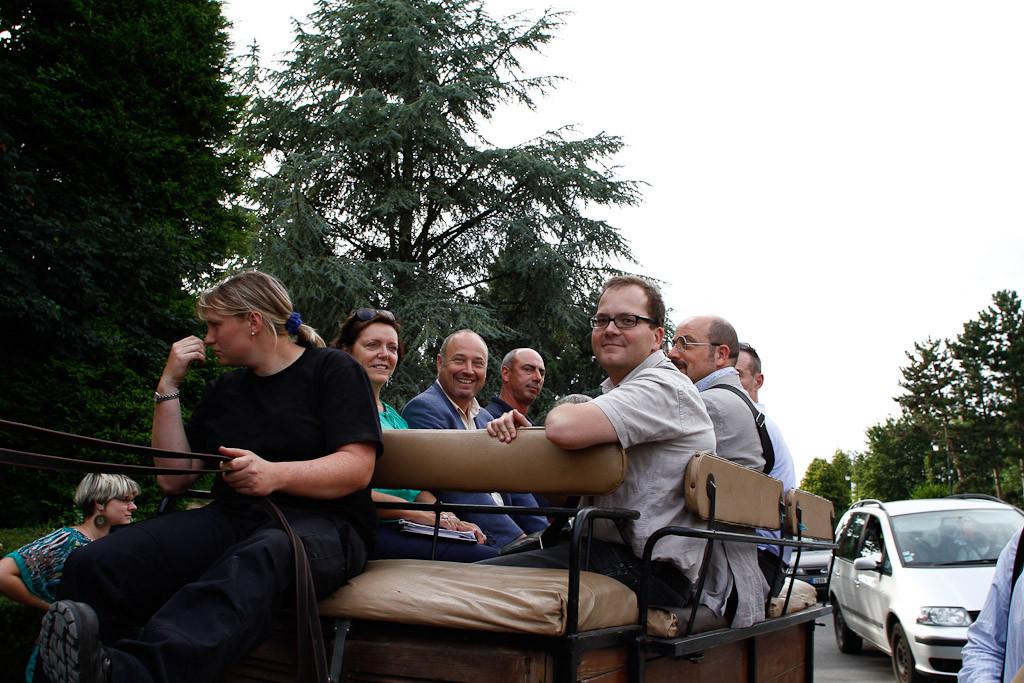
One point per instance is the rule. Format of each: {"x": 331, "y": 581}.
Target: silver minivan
{"x": 910, "y": 576}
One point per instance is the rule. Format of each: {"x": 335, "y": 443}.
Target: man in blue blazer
{"x": 450, "y": 403}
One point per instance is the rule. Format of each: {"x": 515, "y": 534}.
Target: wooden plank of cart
{"x": 421, "y": 620}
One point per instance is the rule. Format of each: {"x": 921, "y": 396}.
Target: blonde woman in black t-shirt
{"x": 299, "y": 424}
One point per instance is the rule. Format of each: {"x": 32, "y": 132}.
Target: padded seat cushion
{"x": 479, "y": 597}
{"x": 803, "y": 596}
{"x": 817, "y": 515}
{"x": 744, "y": 496}
{"x": 472, "y": 460}
{"x": 670, "y": 622}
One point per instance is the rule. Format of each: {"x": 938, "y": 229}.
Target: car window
{"x": 849, "y": 539}
{"x": 945, "y": 537}
{"x": 874, "y": 544}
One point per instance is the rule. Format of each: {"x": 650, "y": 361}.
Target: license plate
{"x": 819, "y": 580}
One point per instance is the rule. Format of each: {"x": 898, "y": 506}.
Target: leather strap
{"x": 766, "y": 443}
{"x": 551, "y": 536}
{"x": 310, "y": 637}
{"x": 89, "y": 442}
{"x": 52, "y": 462}
{"x": 311, "y": 648}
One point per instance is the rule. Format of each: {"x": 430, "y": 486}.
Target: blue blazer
{"x": 433, "y": 410}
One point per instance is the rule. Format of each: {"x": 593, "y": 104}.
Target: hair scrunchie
{"x": 293, "y": 323}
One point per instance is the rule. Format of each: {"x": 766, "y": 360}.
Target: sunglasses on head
{"x": 368, "y": 313}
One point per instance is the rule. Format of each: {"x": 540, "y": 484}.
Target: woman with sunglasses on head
{"x": 373, "y": 338}
{"x": 30, "y": 575}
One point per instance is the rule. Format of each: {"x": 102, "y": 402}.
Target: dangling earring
{"x": 100, "y": 521}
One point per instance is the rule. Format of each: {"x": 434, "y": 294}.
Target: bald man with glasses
{"x": 705, "y": 349}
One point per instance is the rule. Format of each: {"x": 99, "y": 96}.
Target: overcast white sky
{"x": 839, "y": 180}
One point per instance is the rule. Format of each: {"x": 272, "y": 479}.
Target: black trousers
{"x": 205, "y": 585}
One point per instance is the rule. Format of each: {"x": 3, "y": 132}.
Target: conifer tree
{"x": 379, "y": 189}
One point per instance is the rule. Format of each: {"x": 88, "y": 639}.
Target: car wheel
{"x": 846, "y": 640}
{"x": 903, "y": 664}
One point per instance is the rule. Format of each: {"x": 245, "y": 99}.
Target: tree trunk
{"x": 999, "y": 485}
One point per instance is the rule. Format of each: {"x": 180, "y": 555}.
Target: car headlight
{"x": 944, "y": 616}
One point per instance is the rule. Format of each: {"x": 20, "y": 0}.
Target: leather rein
{"x": 310, "y": 636}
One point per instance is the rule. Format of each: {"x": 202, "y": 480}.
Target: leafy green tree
{"x": 933, "y": 385}
{"x": 380, "y": 191}
{"x": 115, "y": 188}
{"x": 113, "y": 172}
{"x": 830, "y": 479}
{"x": 962, "y": 423}
{"x": 898, "y": 460}
{"x": 991, "y": 355}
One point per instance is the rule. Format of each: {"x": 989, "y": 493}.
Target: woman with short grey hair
{"x": 30, "y": 574}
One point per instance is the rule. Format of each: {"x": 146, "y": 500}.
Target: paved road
{"x": 832, "y": 666}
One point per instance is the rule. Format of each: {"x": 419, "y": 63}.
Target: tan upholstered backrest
{"x": 744, "y": 496}
{"x": 471, "y": 460}
{"x": 817, "y": 514}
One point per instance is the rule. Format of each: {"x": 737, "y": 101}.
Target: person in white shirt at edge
{"x": 994, "y": 652}
{"x": 749, "y": 367}
{"x": 655, "y": 412}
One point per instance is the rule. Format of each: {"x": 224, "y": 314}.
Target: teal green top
{"x": 390, "y": 419}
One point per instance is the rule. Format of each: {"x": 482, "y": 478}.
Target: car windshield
{"x": 954, "y": 537}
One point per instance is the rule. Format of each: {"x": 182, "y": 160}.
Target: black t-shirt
{"x": 317, "y": 404}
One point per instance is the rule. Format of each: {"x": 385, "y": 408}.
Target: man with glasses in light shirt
{"x": 658, "y": 417}
{"x": 705, "y": 349}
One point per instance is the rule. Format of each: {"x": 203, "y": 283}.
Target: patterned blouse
{"x": 41, "y": 562}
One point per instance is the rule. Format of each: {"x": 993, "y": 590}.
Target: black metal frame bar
{"x": 683, "y": 647}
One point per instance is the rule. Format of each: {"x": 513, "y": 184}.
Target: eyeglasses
{"x": 624, "y": 321}
{"x": 368, "y": 313}
{"x": 681, "y": 342}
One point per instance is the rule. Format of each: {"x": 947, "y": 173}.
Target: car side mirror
{"x": 869, "y": 563}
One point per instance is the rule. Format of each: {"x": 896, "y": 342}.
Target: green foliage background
{"x": 830, "y": 479}
{"x": 115, "y": 181}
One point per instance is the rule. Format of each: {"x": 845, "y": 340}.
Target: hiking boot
{"x": 69, "y": 645}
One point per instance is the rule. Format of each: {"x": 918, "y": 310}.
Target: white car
{"x": 910, "y": 576}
